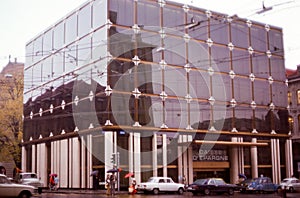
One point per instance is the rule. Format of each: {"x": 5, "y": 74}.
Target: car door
{"x": 6, "y": 189}
{"x": 162, "y": 185}
{"x": 212, "y": 185}
{"x": 297, "y": 185}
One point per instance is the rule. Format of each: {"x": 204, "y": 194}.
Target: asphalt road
{"x": 125, "y": 195}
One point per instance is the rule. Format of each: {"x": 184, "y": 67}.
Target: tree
{"x": 11, "y": 124}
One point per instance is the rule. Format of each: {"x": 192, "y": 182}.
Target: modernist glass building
{"x": 155, "y": 88}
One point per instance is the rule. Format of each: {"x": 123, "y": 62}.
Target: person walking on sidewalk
{"x": 107, "y": 184}
{"x": 112, "y": 181}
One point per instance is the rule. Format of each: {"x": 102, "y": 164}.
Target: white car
{"x": 291, "y": 184}
{"x": 29, "y": 178}
{"x": 160, "y": 184}
{"x": 9, "y": 189}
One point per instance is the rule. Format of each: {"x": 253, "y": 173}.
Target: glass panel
{"x": 148, "y": 44}
{"x": 71, "y": 28}
{"x": 260, "y": 66}
{"x": 144, "y": 78}
{"x": 28, "y": 84}
{"x": 176, "y": 113}
{"x": 261, "y": 92}
{"x": 156, "y": 112}
{"x": 240, "y": 61}
{"x": 276, "y": 42}
{"x": 205, "y": 114}
{"x": 84, "y": 51}
{"x": 37, "y": 72}
{"x": 121, "y": 12}
{"x": 70, "y": 57}
{"x": 221, "y": 87}
{"x": 156, "y": 79}
{"x": 199, "y": 114}
{"x": 99, "y": 17}
{"x": 277, "y": 68}
{"x": 175, "y": 82}
{"x": 227, "y": 125}
{"x": 47, "y": 70}
{"x": 199, "y": 56}
{"x": 58, "y": 65}
{"x": 239, "y": 32}
{"x": 198, "y": 31}
{"x": 58, "y": 36}
{"x": 148, "y": 14}
{"x": 119, "y": 76}
{"x": 242, "y": 90}
{"x": 38, "y": 49}
{"x": 84, "y": 20}
{"x": 281, "y": 121}
{"x": 122, "y": 109}
{"x": 221, "y": 58}
{"x": 99, "y": 45}
{"x": 173, "y": 17}
{"x": 47, "y": 43}
{"x": 259, "y": 38}
{"x": 199, "y": 84}
{"x": 195, "y": 114}
{"x": 29, "y": 54}
{"x": 260, "y": 123}
{"x": 219, "y": 30}
{"x": 243, "y": 118}
{"x": 279, "y": 94}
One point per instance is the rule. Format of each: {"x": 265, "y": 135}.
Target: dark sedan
{"x": 210, "y": 185}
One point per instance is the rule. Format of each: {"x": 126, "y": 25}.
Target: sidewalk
{"x": 80, "y": 191}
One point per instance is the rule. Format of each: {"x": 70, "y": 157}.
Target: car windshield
{"x": 151, "y": 179}
{"x": 200, "y": 181}
{"x": 27, "y": 176}
{"x": 285, "y": 181}
{"x": 219, "y": 182}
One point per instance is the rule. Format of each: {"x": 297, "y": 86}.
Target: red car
{"x": 212, "y": 185}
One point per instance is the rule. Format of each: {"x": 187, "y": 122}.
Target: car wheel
{"x": 180, "y": 191}
{"x": 206, "y": 191}
{"x": 230, "y": 191}
{"x": 155, "y": 191}
{"x": 25, "y": 194}
{"x": 291, "y": 189}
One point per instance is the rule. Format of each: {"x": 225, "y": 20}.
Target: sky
{"x": 22, "y": 20}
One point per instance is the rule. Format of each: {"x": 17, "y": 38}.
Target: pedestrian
{"x": 51, "y": 182}
{"x": 56, "y": 180}
{"x": 133, "y": 185}
{"x": 107, "y": 184}
{"x": 112, "y": 181}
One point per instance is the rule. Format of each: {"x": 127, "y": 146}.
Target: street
{"x": 125, "y": 195}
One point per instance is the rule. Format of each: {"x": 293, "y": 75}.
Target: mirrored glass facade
{"x": 155, "y": 67}
{"x": 180, "y": 53}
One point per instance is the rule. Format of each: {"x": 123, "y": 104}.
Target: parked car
{"x": 261, "y": 185}
{"x": 9, "y": 189}
{"x": 244, "y": 184}
{"x": 290, "y": 184}
{"x": 160, "y": 184}
{"x": 209, "y": 185}
{"x": 29, "y": 178}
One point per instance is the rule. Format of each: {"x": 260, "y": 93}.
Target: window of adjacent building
{"x": 298, "y": 96}
{"x": 289, "y": 98}
{"x": 291, "y": 123}
{"x": 298, "y": 122}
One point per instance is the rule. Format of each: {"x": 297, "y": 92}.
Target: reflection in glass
{"x": 84, "y": 20}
